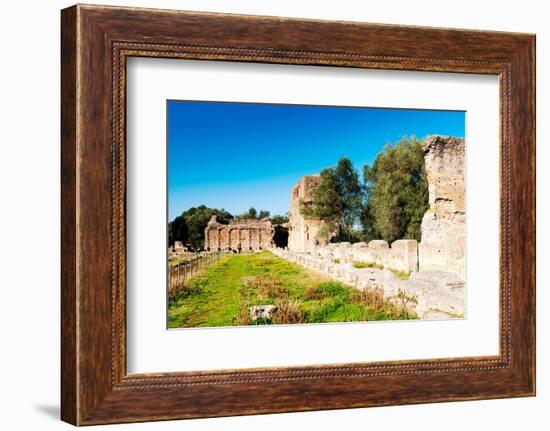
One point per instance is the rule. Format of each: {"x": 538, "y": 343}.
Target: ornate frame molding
{"x": 96, "y": 41}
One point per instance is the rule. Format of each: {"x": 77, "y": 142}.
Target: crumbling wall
{"x": 303, "y": 231}
{"x": 443, "y": 230}
{"x": 238, "y": 235}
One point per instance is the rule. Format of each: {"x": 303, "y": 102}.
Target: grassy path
{"x": 223, "y": 294}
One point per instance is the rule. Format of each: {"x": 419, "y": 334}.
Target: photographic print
{"x": 301, "y": 214}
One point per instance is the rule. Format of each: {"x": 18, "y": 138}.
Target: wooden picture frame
{"x": 95, "y": 43}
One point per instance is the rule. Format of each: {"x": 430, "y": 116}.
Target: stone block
{"x": 405, "y": 244}
{"x": 262, "y": 311}
{"x": 378, "y": 243}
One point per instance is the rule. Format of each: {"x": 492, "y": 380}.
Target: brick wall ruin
{"x": 238, "y": 235}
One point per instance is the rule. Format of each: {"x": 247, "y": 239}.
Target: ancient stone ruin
{"x": 239, "y": 235}
{"x": 179, "y": 248}
{"x": 434, "y": 269}
{"x": 303, "y": 232}
{"x": 443, "y": 225}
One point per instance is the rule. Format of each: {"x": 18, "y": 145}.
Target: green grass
{"x": 362, "y": 265}
{"x": 401, "y": 274}
{"x": 223, "y": 293}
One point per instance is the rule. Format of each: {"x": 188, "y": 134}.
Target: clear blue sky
{"x": 238, "y": 155}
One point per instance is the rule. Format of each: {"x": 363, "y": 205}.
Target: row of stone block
{"x": 342, "y": 271}
{"x": 401, "y": 255}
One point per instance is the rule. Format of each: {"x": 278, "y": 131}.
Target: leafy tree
{"x": 279, "y": 219}
{"x": 178, "y": 230}
{"x": 189, "y": 226}
{"x": 326, "y": 203}
{"x": 337, "y": 201}
{"x": 352, "y": 197}
{"x": 253, "y": 214}
{"x": 263, "y": 214}
{"x": 396, "y": 190}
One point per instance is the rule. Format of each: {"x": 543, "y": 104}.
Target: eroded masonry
{"x": 442, "y": 230}
{"x": 244, "y": 235}
{"x": 305, "y": 233}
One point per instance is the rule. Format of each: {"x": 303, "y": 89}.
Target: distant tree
{"x": 279, "y": 219}
{"x": 253, "y": 214}
{"x": 396, "y": 190}
{"x": 263, "y": 214}
{"x": 189, "y": 226}
{"x": 337, "y": 201}
{"x": 178, "y": 230}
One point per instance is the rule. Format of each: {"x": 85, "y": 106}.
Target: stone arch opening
{"x": 280, "y": 236}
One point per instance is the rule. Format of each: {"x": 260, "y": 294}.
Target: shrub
{"x": 267, "y": 287}
{"x": 405, "y": 301}
{"x": 322, "y": 313}
{"x": 193, "y": 287}
{"x": 287, "y": 312}
{"x": 334, "y": 288}
{"x": 401, "y": 274}
{"x": 362, "y": 265}
{"x": 243, "y": 317}
{"x": 314, "y": 293}
{"x": 372, "y": 298}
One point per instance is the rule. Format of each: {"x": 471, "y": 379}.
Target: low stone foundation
{"x": 439, "y": 295}
{"x": 402, "y": 255}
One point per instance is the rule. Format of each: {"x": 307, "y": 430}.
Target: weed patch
{"x": 225, "y": 292}
{"x": 363, "y": 265}
{"x": 401, "y": 274}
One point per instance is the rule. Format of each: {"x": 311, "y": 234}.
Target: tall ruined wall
{"x": 443, "y": 225}
{"x": 238, "y": 235}
{"x": 303, "y": 232}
